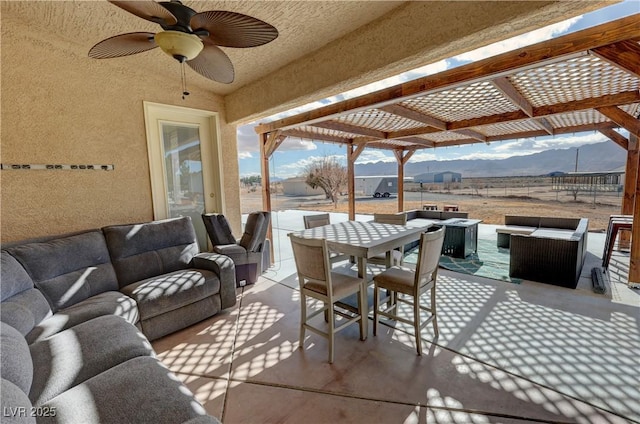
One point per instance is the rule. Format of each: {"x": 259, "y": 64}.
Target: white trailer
{"x": 381, "y": 186}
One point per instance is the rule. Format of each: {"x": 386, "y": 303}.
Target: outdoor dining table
{"x": 364, "y": 240}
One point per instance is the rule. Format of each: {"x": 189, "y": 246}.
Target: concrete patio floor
{"x": 508, "y": 353}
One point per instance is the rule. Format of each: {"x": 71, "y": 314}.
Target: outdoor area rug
{"x": 490, "y": 261}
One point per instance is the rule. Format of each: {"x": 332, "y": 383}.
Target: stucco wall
{"x": 59, "y": 106}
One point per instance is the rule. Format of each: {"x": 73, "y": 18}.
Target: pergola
{"x": 584, "y": 81}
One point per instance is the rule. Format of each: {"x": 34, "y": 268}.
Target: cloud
{"x": 423, "y": 155}
{"x": 375, "y": 155}
{"x": 294, "y": 143}
{"x": 295, "y": 169}
{"x": 247, "y": 141}
{"x": 516, "y": 42}
{"x": 526, "y": 146}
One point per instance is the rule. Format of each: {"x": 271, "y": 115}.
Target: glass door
{"x": 184, "y": 164}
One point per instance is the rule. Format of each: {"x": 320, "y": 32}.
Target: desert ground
{"x": 489, "y": 203}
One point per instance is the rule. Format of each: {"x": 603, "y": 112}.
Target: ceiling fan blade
{"x": 123, "y": 45}
{"x": 230, "y": 29}
{"x": 214, "y": 64}
{"x": 147, "y": 9}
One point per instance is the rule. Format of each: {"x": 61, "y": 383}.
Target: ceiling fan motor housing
{"x": 182, "y": 13}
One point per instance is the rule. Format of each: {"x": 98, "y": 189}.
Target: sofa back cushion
{"x": 255, "y": 231}
{"x": 15, "y": 358}
{"x": 563, "y": 223}
{"x": 525, "y": 221}
{"x": 68, "y": 269}
{"x": 14, "y": 278}
{"x": 141, "y": 251}
{"x": 218, "y": 229}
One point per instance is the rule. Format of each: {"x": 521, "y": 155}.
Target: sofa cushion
{"x": 138, "y": 390}
{"x": 13, "y": 277}
{"x": 553, "y": 233}
{"x": 68, "y": 269}
{"x": 79, "y": 353}
{"x": 107, "y": 303}
{"x": 558, "y": 222}
{"x": 25, "y": 310}
{"x": 141, "y": 251}
{"x": 15, "y": 360}
{"x": 174, "y": 290}
{"x": 16, "y": 407}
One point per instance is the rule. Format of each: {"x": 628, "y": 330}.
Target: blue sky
{"x": 294, "y": 154}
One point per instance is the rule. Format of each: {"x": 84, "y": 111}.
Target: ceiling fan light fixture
{"x": 179, "y": 45}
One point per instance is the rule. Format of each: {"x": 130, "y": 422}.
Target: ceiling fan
{"x": 188, "y": 36}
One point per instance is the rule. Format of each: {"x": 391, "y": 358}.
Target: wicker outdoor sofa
{"x": 546, "y": 249}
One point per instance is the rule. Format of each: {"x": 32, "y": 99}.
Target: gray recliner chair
{"x": 250, "y": 253}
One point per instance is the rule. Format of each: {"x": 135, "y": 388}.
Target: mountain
{"x": 605, "y": 156}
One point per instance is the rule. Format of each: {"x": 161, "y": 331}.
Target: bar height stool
{"x": 616, "y": 223}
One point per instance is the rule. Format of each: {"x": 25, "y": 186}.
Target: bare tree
{"x": 328, "y": 174}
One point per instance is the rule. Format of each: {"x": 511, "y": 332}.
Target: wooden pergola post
{"x": 269, "y": 142}
{"x": 402, "y": 159}
{"x": 630, "y": 185}
{"x": 634, "y": 156}
{"x": 353, "y": 151}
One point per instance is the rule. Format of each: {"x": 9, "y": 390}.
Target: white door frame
{"x": 156, "y": 114}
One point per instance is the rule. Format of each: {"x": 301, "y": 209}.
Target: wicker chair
{"x": 406, "y": 285}
{"x": 319, "y": 282}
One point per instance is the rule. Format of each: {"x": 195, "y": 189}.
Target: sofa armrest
{"x": 224, "y": 267}
{"x": 546, "y": 260}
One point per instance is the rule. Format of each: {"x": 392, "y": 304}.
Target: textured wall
{"x": 59, "y": 106}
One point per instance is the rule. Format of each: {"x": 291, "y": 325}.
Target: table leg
{"x": 362, "y": 273}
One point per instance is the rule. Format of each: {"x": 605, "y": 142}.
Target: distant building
{"x": 298, "y": 187}
{"x": 438, "y": 177}
{"x": 612, "y": 181}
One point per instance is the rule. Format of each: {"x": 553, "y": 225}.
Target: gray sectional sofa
{"x": 77, "y": 313}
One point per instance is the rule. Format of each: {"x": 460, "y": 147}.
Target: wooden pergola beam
{"x": 538, "y": 112}
{"x": 623, "y": 54}
{"x": 616, "y": 137}
{"x": 472, "y": 134}
{"x": 513, "y": 95}
{"x": 545, "y": 124}
{"x": 574, "y": 44}
{"x": 405, "y": 112}
{"x": 621, "y": 118}
{"x": 274, "y": 140}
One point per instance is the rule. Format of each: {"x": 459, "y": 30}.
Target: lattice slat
{"x": 327, "y": 132}
{"x": 467, "y": 102}
{"x": 583, "y": 117}
{"x": 379, "y": 120}
{"x": 505, "y": 128}
{"x": 444, "y": 136}
{"x": 575, "y": 79}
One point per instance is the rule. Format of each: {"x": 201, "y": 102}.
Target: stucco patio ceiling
{"x": 324, "y": 47}
{"x": 587, "y": 80}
